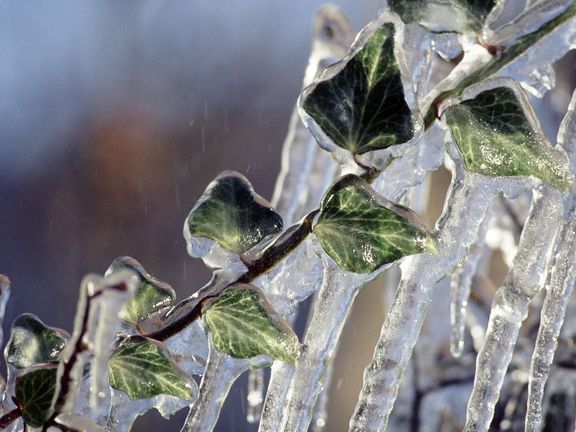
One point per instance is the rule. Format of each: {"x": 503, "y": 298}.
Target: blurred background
{"x": 115, "y": 115}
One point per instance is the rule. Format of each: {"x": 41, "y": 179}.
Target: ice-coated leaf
{"x": 152, "y": 295}
{"x": 444, "y": 15}
{"x": 496, "y": 139}
{"x": 232, "y": 214}
{"x": 243, "y": 324}
{"x": 34, "y": 392}
{"x": 32, "y": 342}
{"x": 142, "y": 369}
{"x": 362, "y": 231}
{"x": 363, "y": 108}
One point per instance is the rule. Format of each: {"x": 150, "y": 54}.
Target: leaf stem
{"x": 269, "y": 257}
{"x": 8, "y": 418}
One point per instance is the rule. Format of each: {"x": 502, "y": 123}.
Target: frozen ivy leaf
{"x": 496, "y": 139}
{"x": 243, "y": 324}
{"x": 152, "y": 295}
{"x": 232, "y": 214}
{"x": 363, "y": 108}
{"x": 32, "y": 342}
{"x": 34, "y": 392}
{"x": 142, "y": 368}
{"x": 362, "y": 231}
{"x": 444, "y": 15}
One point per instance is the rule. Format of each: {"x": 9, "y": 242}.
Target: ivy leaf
{"x": 362, "y": 231}
{"x": 244, "y": 324}
{"x": 32, "y": 342}
{"x": 34, "y": 391}
{"x": 496, "y": 139}
{"x": 232, "y": 214}
{"x": 363, "y": 108}
{"x": 142, "y": 368}
{"x": 445, "y": 15}
{"x": 152, "y": 295}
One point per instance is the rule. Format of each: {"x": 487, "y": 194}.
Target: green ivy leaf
{"x": 232, "y": 214}
{"x": 142, "y": 368}
{"x": 444, "y": 15}
{"x": 32, "y": 342}
{"x": 34, "y": 391}
{"x": 152, "y": 295}
{"x": 496, "y": 139}
{"x": 243, "y": 324}
{"x": 363, "y": 108}
{"x": 362, "y": 231}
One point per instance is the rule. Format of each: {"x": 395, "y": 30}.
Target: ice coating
{"x": 529, "y": 20}
{"x": 89, "y": 340}
{"x": 124, "y": 411}
{"x": 104, "y": 316}
{"x": 510, "y": 306}
{"x": 533, "y": 67}
{"x": 344, "y": 156}
{"x": 469, "y": 197}
{"x": 190, "y": 349}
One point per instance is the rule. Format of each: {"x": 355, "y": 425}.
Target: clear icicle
{"x": 560, "y": 288}
{"x": 552, "y": 317}
{"x": 330, "y": 311}
{"x": 255, "y": 395}
{"x": 320, "y": 416}
{"x": 4, "y": 297}
{"x": 460, "y": 290}
{"x": 458, "y": 227}
{"x": 280, "y": 377}
{"x": 220, "y": 373}
{"x": 510, "y": 306}
{"x": 307, "y": 171}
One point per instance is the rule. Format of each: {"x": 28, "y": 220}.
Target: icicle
{"x": 510, "y": 307}
{"x": 320, "y": 416}
{"x": 255, "y": 395}
{"x": 280, "y": 377}
{"x": 561, "y": 286}
{"x": 460, "y": 290}
{"x": 552, "y": 316}
{"x": 220, "y": 373}
{"x": 466, "y": 205}
{"x": 4, "y": 297}
{"x": 330, "y": 311}
{"x": 307, "y": 171}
